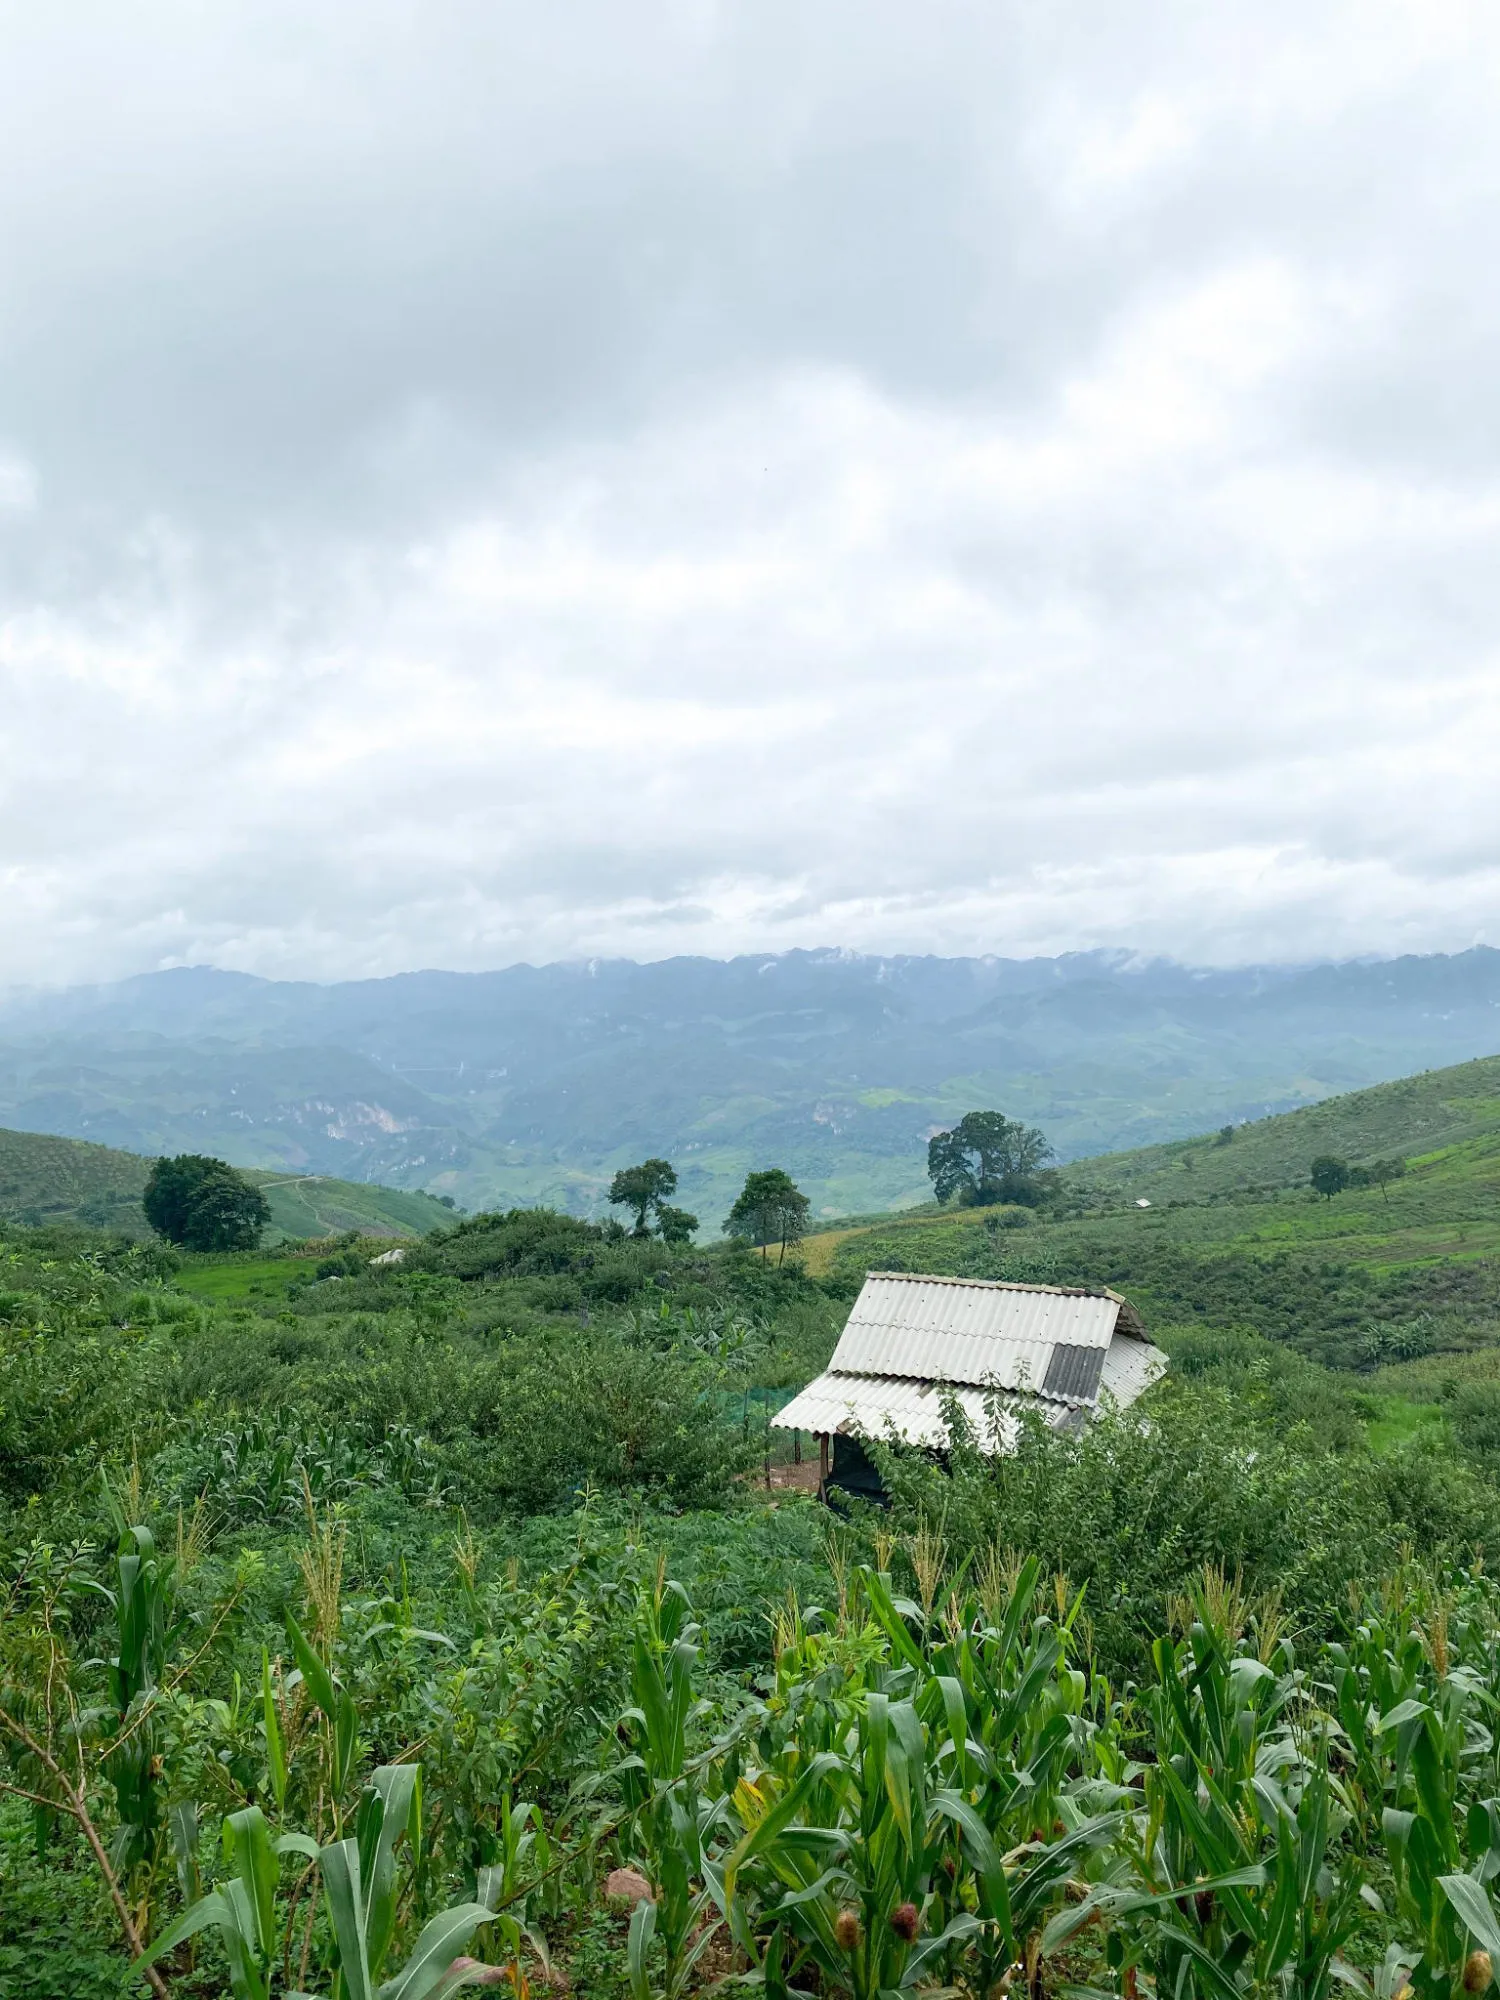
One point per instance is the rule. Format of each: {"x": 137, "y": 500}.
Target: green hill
{"x": 43, "y": 1179}
{"x": 1424, "y": 1115}
{"x": 1232, "y": 1236}
{"x": 313, "y": 1205}
{"x": 47, "y": 1180}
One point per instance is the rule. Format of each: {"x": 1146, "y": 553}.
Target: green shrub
{"x": 1136, "y": 1504}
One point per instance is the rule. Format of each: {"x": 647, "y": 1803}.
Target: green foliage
{"x": 770, "y": 1208}
{"x": 203, "y": 1204}
{"x": 1241, "y": 1477}
{"x": 596, "y": 1411}
{"x": 644, "y": 1189}
{"x": 1137, "y": 1715}
{"x": 1329, "y": 1175}
{"x": 1474, "y": 1413}
{"x": 986, "y": 1158}
{"x": 675, "y": 1225}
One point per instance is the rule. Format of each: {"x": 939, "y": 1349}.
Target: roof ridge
{"x": 1000, "y": 1285}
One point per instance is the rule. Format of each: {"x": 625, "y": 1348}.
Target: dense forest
{"x": 381, "y": 1623}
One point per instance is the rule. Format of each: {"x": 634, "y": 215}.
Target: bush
{"x": 550, "y": 1421}
{"x": 1137, "y": 1503}
{"x": 1474, "y": 1413}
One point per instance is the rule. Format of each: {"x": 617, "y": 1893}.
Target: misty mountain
{"x": 536, "y": 1082}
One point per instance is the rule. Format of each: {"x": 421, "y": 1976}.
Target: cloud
{"x": 477, "y": 485}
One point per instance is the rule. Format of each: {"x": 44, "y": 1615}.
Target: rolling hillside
{"x": 1234, "y": 1237}
{"x": 45, "y": 1179}
{"x": 1425, "y": 1115}
{"x": 314, "y": 1205}
{"x": 534, "y": 1084}
{"x": 1253, "y": 1186}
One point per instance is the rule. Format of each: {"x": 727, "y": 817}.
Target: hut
{"x": 912, "y": 1343}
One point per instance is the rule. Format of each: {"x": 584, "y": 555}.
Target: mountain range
{"x": 535, "y": 1083}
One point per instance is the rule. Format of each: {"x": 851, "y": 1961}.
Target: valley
{"x": 536, "y": 1083}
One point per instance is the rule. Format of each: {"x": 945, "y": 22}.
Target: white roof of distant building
{"x": 913, "y": 1340}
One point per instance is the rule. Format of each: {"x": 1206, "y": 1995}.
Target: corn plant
{"x": 904, "y": 1831}
{"x": 1237, "y": 1881}
{"x": 508, "y": 1884}
{"x": 669, "y": 1814}
{"x": 243, "y": 1908}
{"x": 145, "y": 1627}
{"x": 1444, "y": 1903}
{"x": 361, "y": 1889}
{"x": 335, "y": 1706}
{"x": 1369, "y": 1677}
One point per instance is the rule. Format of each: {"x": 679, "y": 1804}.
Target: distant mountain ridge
{"x": 534, "y": 1083}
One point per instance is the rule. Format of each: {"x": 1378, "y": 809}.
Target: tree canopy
{"x": 1329, "y": 1175}
{"x": 645, "y": 1189}
{"x": 770, "y": 1208}
{"x": 675, "y": 1225}
{"x": 986, "y": 1158}
{"x": 203, "y": 1204}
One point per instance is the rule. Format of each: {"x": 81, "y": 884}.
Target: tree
{"x": 1329, "y": 1175}
{"x": 227, "y": 1213}
{"x": 986, "y": 1158}
{"x": 1383, "y": 1172}
{"x": 645, "y": 1189}
{"x": 675, "y": 1225}
{"x": 203, "y": 1204}
{"x": 770, "y": 1208}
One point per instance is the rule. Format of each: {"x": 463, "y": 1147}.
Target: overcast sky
{"x": 482, "y": 481}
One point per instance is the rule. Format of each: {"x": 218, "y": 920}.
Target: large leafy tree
{"x": 1329, "y": 1175}
{"x": 646, "y": 1189}
{"x": 203, "y": 1204}
{"x": 770, "y": 1208}
{"x": 988, "y": 1157}
{"x": 675, "y": 1225}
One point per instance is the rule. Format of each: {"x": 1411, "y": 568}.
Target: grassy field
{"x": 242, "y": 1279}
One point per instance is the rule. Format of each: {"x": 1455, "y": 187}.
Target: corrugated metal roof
{"x": 1130, "y": 1367}
{"x": 875, "y": 1404}
{"x": 1073, "y": 1373}
{"x": 968, "y": 1330}
{"x": 913, "y": 1341}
